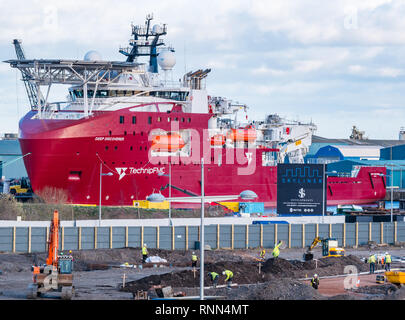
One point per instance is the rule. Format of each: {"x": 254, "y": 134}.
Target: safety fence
{"x": 34, "y": 239}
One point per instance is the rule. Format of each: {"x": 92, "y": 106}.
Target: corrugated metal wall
{"x": 34, "y": 239}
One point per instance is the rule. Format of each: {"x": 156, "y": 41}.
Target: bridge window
{"x": 134, "y": 120}
{"x": 122, "y": 119}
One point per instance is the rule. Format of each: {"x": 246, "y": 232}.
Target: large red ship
{"x": 142, "y": 135}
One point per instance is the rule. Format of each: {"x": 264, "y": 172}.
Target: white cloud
{"x": 299, "y": 53}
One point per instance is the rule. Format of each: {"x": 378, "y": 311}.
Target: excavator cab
{"x": 65, "y": 264}
{"x": 330, "y": 248}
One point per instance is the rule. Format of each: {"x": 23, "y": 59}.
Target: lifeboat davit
{"x": 171, "y": 142}
{"x": 247, "y": 134}
{"x": 218, "y": 140}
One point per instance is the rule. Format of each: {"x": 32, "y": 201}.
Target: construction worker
{"x": 387, "y": 261}
{"x": 371, "y": 261}
{"x": 214, "y": 278}
{"x": 229, "y": 277}
{"x": 263, "y": 254}
{"x": 144, "y": 253}
{"x": 276, "y": 250}
{"x": 193, "y": 260}
{"x": 315, "y": 282}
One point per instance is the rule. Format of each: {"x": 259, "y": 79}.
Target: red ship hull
{"x": 66, "y": 155}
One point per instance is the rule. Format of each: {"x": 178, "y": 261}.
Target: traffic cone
{"x": 358, "y": 283}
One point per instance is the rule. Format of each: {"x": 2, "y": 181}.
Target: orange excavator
{"x": 56, "y": 275}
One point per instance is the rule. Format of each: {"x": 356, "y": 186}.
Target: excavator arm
{"x": 53, "y": 241}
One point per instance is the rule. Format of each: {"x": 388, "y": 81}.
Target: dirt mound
{"x": 278, "y": 289}
{"x": 298, "y": 269}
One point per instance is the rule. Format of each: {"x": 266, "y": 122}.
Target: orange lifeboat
{"x": 171, "y": 142}
{"x": 218, "y": 140}
{"x": 247, "y": 134}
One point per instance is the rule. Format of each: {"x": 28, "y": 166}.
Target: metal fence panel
{"x": 388, "y": 232}
{"x": 282, "y": 233}
{"x": 6, "y": 239}
{"x": 150, "y": 236}
{"x": 296, "y": 236}
{"x": 71, "y": 238}
{"x": 87, "y": 235}
{"x": 165, "y": 238}
{"x": 180, "y": 238}
{"x": 21, "y": 239}
{"x": 225, "y": 236}
{"x": 350, "y": 234}
{"x": 363, "y": 233}
{"x": 239, "y": 237}
{"x": 337, "y": 232}
{"x": 310, "y": 233}
{"x": 323, "y": 230}
{"x": 254, "y": 236}
{"x": 118, "y": 237}
{"x": 268, "y": 236}
{"x": 38, "y": 239}
{"x": 401, "y": 232}
{"x": 210, "y": 235}
{"x": 134, "y": 237}
{"x": 103, "y": 237}
{"x": 192, "y": 236}
{"x": 375, "y": 232}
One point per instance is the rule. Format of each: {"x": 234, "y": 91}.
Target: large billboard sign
{"x": 300, "y": 188}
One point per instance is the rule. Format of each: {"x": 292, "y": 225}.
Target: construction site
{"x": 120, "y": 274}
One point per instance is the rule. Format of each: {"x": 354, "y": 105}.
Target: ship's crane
{"x": 30, "y": 87}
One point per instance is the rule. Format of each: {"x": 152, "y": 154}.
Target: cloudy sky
{"x": 337, "y": 63}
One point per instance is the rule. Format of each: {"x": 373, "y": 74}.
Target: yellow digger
{"x": 329, "y": 248}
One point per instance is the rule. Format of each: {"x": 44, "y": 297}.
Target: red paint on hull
{"x": 66, "y": 154}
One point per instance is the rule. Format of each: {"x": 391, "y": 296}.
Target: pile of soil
{"x": 323, "y": 267}
{"x": 280, "y": 289}
{"x": 247, "y": 272}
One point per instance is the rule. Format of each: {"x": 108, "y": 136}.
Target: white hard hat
{"x": 315, "y": 275}
{"x": 386, "y": 253}
{"x": 223, "y": 272}
{"x": 144, "y": 244}
{"x": 193, "y": 252}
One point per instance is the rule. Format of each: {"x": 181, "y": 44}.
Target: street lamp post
{"x": 202, "y": 245}
{"x": 101, "y": 175}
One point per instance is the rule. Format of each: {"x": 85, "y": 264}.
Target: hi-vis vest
{"x": 387, "y": 258}
{"x": 144, "y": 251}
{"x": 371, "y": 259}
{"x": 194, "y": 257}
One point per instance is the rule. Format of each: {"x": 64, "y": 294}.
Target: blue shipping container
{"x": 251, "y": 207}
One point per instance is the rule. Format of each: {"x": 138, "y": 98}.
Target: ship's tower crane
{"x": 30, "y": 87}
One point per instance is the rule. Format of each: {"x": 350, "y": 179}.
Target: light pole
{"x": 244, "y": 195}
{"x": 170, "y": 190}
{"x": 202, "y": 245}
{"x": 101, "y": 175}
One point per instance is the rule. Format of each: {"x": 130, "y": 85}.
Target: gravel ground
{"x": 104, "y": 281}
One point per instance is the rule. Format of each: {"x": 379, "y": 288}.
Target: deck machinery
{"x": 56, "y": 274}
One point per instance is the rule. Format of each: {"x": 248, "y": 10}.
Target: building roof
{"x": 367, "y": 142}
{"x": 10, "y": 148}
{"x": 362, "y": 151}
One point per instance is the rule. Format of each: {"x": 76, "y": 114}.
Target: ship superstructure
{"x": 136, "y": 123}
